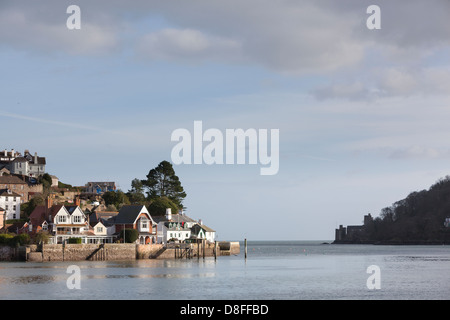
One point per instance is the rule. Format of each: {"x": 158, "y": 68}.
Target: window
{"x": 6, "y": 207}
{"x": 77, "y": 219}
{"x": 99, "y": 229}
{"x": 61, "y": 219}
{"x": 14, "y": 207}
{"x": 14, "y": 216}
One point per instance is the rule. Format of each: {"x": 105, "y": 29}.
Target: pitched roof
{"x": 11, "y": 180}
{"x": 20, "y": 159}
{"x": 175, "y": 218}
{"x": 129, "y": 213}
{"x": 39, "y": 215}
{"x": 202, "y": 226}
{"x": 8, "y": 193}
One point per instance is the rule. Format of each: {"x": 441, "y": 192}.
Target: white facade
{"x": 10, "y": 201}
{"x": 69, "y": 224}
{"x": 172, "y": 230}
{"x": 100, "y": 229}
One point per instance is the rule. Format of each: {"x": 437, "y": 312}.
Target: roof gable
{"x": 8, "y": 193}
{"x": 128, "y": 214}
{"x": 74, "y": 210}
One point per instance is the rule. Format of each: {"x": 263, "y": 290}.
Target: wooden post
{"x": 198, "y": 249}
{"x": 215, "y": 250}
{"x": 245, "y": 248}
{"x": 204, "y": 247}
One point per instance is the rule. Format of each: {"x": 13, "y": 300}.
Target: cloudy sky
{"x": 363, "y": 114}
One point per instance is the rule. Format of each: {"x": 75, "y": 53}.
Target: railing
{"x": 67, "y": 232}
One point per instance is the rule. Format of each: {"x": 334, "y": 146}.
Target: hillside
{"x": 417, "y": 219}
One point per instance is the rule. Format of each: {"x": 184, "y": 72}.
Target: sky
{"x": 362, "y": 113}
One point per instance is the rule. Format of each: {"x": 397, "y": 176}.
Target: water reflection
{"x": 35, "y": 279}
{"x": 147, "y": 276}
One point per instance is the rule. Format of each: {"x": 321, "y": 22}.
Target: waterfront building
{"x": 136, "y": 217}
{"x": 64, "y": 222}
{"x": 180, "y": 227}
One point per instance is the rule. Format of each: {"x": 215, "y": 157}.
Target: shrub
{"x": 74, "y": 240}
{"x": 131, "y": 235}
{"x": 5, "y": 238}
{"x": 19, "y": 240}
{"x": 42, "y": 237}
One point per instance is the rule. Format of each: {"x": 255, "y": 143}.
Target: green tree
{"x": 117, "y": 198}
{"x": 163, "y": 182}
{"x": 28, "y": 207}
{"x": 159, "y": 205}
{"x": 136, "y": 194}
{"x": 42, "y": 237}
{"x": 46, "y": 181}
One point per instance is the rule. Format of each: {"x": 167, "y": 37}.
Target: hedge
{"x": 14, "y": 241}
{"x": 74, "y": 241}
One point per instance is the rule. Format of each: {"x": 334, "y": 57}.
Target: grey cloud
{"x": 293, "y": 37}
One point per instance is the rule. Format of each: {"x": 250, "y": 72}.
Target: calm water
{"x": 273, "y": 270}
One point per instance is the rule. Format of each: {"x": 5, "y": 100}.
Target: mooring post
{"x": 245, "y": 247}
{"x": 215, "y": 250}
{"x": 204, "y": 248}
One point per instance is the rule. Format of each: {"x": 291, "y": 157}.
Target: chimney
{"x": 169, "y": 214}
{"x": 12, "y": 153}
{"x": 49, "y": 202}
{"x": 200, "y": 222}
{"x": 6, "y": 152}
{"x": 35, "y": 158}
{"x": 77, "y": 201}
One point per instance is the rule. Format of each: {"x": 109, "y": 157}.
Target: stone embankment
{"x": 115, "y": 251}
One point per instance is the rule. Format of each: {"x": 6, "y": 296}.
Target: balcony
{"x": 68, "y": 231}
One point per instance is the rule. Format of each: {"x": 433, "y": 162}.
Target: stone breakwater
{"x": 114, "y": 251}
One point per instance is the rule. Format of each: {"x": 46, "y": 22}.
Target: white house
{"x": 174, "y": 226}
{"x": 10, "y": 202}
{"x": 28, "y": 165}
{"x": 200, "y": 231}
{"x": 69, "y": 222}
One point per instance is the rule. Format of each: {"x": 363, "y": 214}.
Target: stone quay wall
{"x": 112, "y": 251}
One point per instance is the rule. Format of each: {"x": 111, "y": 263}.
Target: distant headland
{"x": 422, "y": 218}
